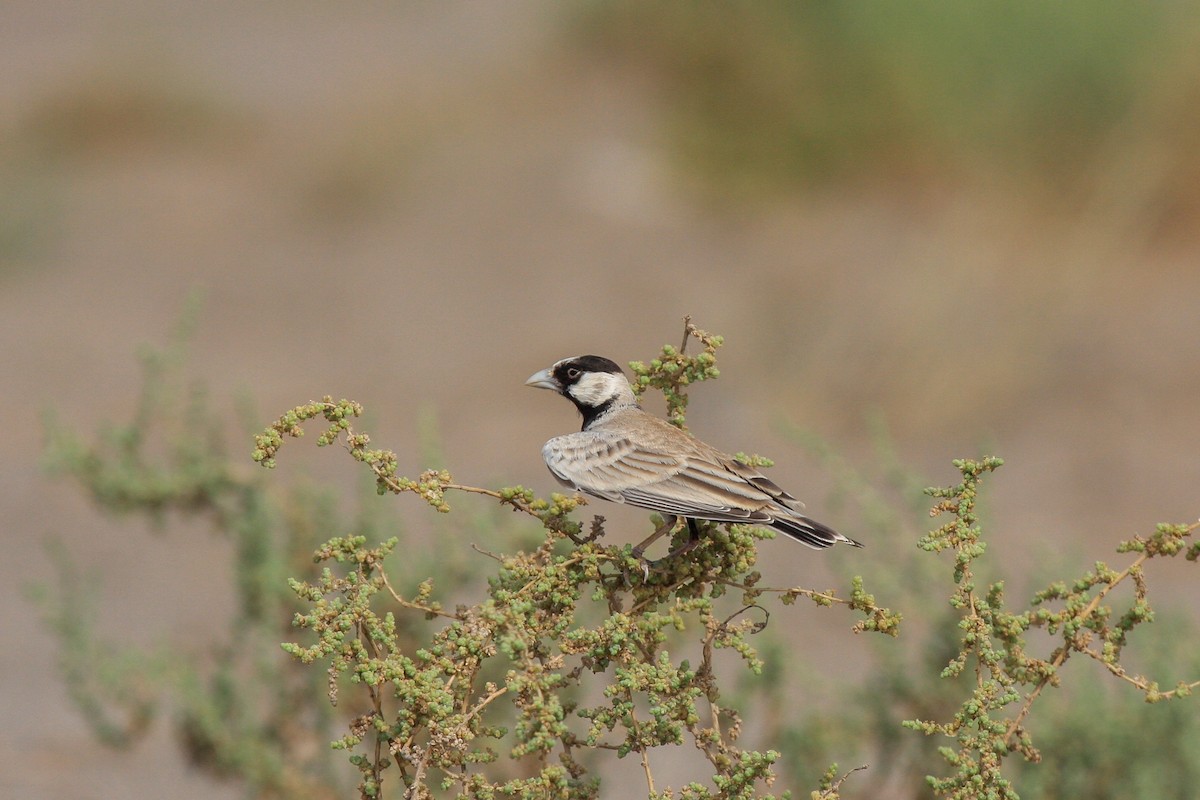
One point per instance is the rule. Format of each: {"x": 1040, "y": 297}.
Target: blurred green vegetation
{"x": 244, "y": 709}
{"x": 1101, "y": 741}
{"x": 240, "y": 707}
{"x": 121, "y": 109}
{"x": 29, "y": 209}
{"x": 1097, "y": 738}
{"x": 775, "y": 96}
{"x": 132, "y": 107}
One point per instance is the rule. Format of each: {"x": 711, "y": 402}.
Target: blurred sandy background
{"x": 417, "y": 205}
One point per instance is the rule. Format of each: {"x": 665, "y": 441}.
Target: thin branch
{"x": 1064, "y": 652}
{"x": 968, "y": 578}
{"x": 716, "y": 720}
{"x": 812, "y": 594}
{"x": 653, "y": 599}
{"x": 412, "y": 605}
{"x": 641, "y": 745}
{"x": 836, "y": 786}
{"x": 484, "y": 703}
{"x": 474, "y": 490}
{"x": 1139, "y": 681}
{"x": 487, "y": 553}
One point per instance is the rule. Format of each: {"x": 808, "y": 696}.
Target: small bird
{"x": 626, "y": 455}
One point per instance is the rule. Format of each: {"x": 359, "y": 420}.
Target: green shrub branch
{"x": 560, "y": 627}
{"x": 993, "y": 643}
{"x": 517, "y": 656}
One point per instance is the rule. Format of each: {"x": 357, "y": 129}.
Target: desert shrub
{"x": 533, "y": 667}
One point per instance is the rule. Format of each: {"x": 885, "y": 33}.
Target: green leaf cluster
{"x": 533, "y": 671}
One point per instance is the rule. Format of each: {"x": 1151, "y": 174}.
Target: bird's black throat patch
{"x": 591, "y": 413}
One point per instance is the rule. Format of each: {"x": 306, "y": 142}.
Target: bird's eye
{"x": 573, "y": 373}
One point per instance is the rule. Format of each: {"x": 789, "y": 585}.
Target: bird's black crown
{"x": 568, "y": 372}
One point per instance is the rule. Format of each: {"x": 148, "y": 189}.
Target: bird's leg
{"x": 668, "y": 525}
{"x": 686, "y": 547}
{"x": 689, "y": 545}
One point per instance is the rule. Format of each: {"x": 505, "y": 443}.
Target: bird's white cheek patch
{"x": 596, "y": 388}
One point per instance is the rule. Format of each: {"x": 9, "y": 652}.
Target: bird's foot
{"x": 649, "y": 566}
{"x": 660, "y": 564}
{"x": 646, "y": 564}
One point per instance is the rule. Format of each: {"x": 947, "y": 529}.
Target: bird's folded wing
{"x": 616, "y": 468}
{"x": 704, "y": 489}
{"x": 607, "y": 465}
{"x": 762, "y": 482}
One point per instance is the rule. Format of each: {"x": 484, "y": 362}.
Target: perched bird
{"x": 626, "y": 455}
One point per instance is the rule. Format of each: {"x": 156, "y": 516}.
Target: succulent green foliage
{"x": 994, "y": 647}
{"x": 166, "y": 458}
{"x": 595, "y": 653}
{"x": 1097, "y": 739}
{"x": 237, "y": 702}
{"x": 523, "y": 673}
{"x": 674, "y": 370}
{"x": 239, "y": 707}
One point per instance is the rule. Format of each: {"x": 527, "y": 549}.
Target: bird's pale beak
{"x": 543, "y": 380}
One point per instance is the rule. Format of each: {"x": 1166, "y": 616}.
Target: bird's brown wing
{"x": 692, "y": 483}
{"x": 606, "y": 464}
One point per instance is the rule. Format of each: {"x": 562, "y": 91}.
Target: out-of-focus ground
{"x": 418, "y": 205}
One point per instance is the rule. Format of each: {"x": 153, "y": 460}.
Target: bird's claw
{"x": 647, "y": 565}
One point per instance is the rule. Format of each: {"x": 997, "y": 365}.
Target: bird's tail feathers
{"x": 808, "y": 531}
